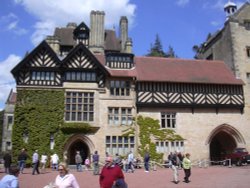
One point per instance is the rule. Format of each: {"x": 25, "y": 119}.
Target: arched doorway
{"x": 224, "y": 139}
{"x": 80, "y": 143}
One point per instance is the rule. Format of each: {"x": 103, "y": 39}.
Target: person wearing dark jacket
{"x": 7, "y": 162}
{"x": 146, "y": 161}
{"x": 22, "y": 157}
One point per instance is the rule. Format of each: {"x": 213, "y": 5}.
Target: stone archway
{"x": 224, "y": 139}
{"x": 78, "y": 143}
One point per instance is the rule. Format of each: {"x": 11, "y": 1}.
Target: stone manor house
{"x": 103, "y": 88}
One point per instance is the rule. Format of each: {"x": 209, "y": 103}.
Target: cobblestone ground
{"x": 211, "y": 177}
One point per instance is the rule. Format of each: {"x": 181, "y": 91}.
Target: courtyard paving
{"x": 210, "y": 177}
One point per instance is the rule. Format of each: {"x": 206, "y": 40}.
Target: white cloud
{"x": 9, "y": 22}
{"x": 7, "y": 81}
{"x": 182, "y": 2}
{"x": 60, "y": 12}
{"x": 215, "y": 23}
{"x": 219, "y": 4}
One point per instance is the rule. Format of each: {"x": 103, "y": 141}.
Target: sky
{"x": 180, "y": 24}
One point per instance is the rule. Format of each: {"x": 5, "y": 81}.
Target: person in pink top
{"x": 64, "y": 179}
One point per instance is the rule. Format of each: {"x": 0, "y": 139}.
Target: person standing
{"x": 78, "y": 160}
{"x": 65, "y": 179}
{"x": 35, "y": 162}
{"x": 95, "y": 159}
{"x": 186, "y": 164}
{"x": 44, "y": 159}
{"x": 11, "y": 179}
{"x": 118, "y": 160}
{"x": 7, "y": 162}
{"x": 146, "y": 161}
{"x": 111, "y": 175}
{"x": 130, "y": 161}
{"x": 87, "y": 163}
{"x": 174, "y": 166}
{"x": 54, "y": 161}
{"x": 22, "y": 157}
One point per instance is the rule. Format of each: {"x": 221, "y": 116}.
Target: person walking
{"x": 44, "y": 159}
{"x": 78, "y": 160}
{"x": 146, "y": 161}
{"x": 186, "y": 164}
{"x": 11, "y": 179}
{"x": 174, "y": 165}
{"x": 111, "y": 175}
{"x": 22, "y": 157}
{"x": 35, "y": 162}
{"x": 95, "y": 159}
{"x": 130, "y": 161}
{"x": 64, "y": 179}
{"x": 7, "y": 162}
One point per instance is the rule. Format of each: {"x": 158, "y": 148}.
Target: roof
{"x": 112, "y": 43}
{"x": 12, "y": 97}
{"x": 65, "y": 35}
{"x": 116, "y": 72}
{"x": 184, "y": 71}
{"x": 158, "y": 69}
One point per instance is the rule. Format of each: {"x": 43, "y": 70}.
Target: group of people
{"x": 177, "y": 161}
{"x": 111, "y": 175}
{"x": 79, "y": 160}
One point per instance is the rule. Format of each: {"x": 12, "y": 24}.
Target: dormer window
{"x": 119, "y": 60}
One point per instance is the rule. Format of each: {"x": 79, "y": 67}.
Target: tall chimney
{"x": 54, "y": 43}
{"x": 123, "y": 32}
{"x": 96, "y": 43}
{"x": 129, "y": 46}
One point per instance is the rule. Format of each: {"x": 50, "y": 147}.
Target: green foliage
{"x": 149, "y": 131}
{"x": 156, "y": 49}
{"x": 38, "y": 113}
{"x": 171, "y": 52}
{"x": 77, "y": 128}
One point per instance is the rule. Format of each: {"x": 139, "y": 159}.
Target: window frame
{"x": 120, "y": 87}
{"x": 74, "y": 100}
{"x": 120, "y": 116}
{"x": 119, "y": 144}
{"x": 168, "y": 120}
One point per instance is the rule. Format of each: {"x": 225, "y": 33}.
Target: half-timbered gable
{"x": 81, "y": 34}
{"x": 184, "y": 83}
{"x": 81, "y": 66}
{"x": 40, "y": 68}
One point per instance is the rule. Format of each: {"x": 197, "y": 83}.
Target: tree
{"x": 170, "y": 52}
{"x": 156, "y": 50}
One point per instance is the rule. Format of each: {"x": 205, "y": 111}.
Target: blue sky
{"x": 179, "y": 23}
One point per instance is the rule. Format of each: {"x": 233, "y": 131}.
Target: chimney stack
{"x": 96, "y": 43}
{"x": 54, "y": 43}
{"x": 123, "y": 32}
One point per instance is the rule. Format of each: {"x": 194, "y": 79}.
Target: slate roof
{"x": 157, "y": 69}
{"x": 65, "y": 35}
{"x": 12, "y": 98}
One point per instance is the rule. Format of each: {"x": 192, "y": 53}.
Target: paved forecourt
{"x": 215, "y": 176}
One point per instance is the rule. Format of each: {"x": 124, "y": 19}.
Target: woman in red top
{"x": 111, "y": 175}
